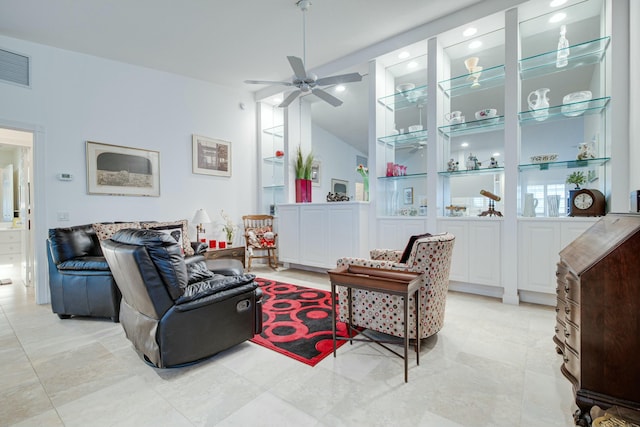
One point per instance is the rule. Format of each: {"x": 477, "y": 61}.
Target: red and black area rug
{"x": 297, "y": 321}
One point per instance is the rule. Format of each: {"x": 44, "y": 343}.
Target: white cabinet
{"x": 395, "y": 233}
{"x": 317, "y": 234}
{"x": 11, "y": 258}
{"x": 477, "y": 250}
{"x": 540, "y": 242}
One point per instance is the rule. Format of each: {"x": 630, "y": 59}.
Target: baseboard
{"x": 538, "y": 298}
{"x": 473, "y": 288}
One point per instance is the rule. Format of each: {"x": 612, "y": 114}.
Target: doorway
{"x": 16, "y": 195}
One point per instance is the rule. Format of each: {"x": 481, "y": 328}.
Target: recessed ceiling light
{"x": 496, "y": 154}
{"x": 464, "y": 144}
{"x": 277, "y": 100}
{"x": 558, "y": 17}
{"x": 340, "y": 88}
{"x": 469, "y": 31}
{"x": 475, "y": 44}
{"x": 556, "y": 3}
{"x": 412, "y": 64}
{"x": 404, "y": 54}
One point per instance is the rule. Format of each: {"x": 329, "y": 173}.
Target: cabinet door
{"x": 288, "y": 241}
{"x": 538, "y": 256}
{"x": 484, "y": 252}
{"x": 314, "y": 238}
{"x": 459, "y": 258}
{"x": 342, "y": 233}
{"x": 395, "y": 233}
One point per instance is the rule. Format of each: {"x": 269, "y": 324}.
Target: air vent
{"x": 14, "y": 68}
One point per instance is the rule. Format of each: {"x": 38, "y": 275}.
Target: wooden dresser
{"x": 598, "y": 315}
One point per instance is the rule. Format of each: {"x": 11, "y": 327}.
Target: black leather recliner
{"x": 176, "y": 313}
{"x": 80, "y": 281}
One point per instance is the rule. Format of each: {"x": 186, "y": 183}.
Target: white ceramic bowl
{"x": 415, "y": 128}
{"x": 403, "y": 87}
{"x": 575, "y": 103}
{"x": 544, "y": 158}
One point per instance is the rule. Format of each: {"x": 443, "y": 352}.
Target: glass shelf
{"x": 274, "y": 187}
{"x": 404, "y": 138}
{"x": 481, "y": 171}
{"x": 406, "y": 99}
{"x": 581, "y": 54}
{"x": 594, "y": 106}
{"x": 565, "y": 164}
{"x": 490, "y": 77}
{"x": 277, "y": 131}
{"x": 274, "y": 160}
{"x": 408, "y": 176}
{"x": 473, "y": 127}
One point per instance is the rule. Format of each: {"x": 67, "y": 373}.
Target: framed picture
{"x": 315, "y": 173}
{"x": 339, "y": 186}
{"x": 122, "y": 171}
{"x": 408, "y": 196}
{"x": 211, "y": 156}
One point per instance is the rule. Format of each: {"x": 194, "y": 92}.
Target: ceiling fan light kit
{"x": 305, "y": 82}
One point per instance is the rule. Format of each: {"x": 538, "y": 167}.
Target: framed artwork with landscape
{"x": 122, "y": 171}
{"x": 211, "y": 156}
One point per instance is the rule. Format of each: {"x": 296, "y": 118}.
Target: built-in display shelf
{"x": 405, "y": 99}
{"x": 481, "y": 171}
{"x": 465, "y": 84}
{"x": 565, "y": 111}
{"x": 402, "y": 177}
{"x": 568, "y": 164}
{"x": 581, "y": 54}
{"x": 404, "y": 138}
{"x": 474, "y": 127}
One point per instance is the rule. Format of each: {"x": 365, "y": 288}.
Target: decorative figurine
{"x": 493, "y": 163}
{"x": 472, "y": 162}
{"x": 585, "y": 151}
{"x": 452, "y": 166}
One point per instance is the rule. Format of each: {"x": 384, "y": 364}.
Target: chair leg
{"x": 249, "y": 263}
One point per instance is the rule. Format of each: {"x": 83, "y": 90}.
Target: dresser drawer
{"x": 572, "y": 312}
{"x": 572, "y": 336}
{"x": 10, "y": 236}
{"x": 572, "y": 288}
{"x": 10, "y": 248}
{"x": 572, "y": 364}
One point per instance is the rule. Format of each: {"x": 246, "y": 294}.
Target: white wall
{"x": 338, "y": 160}
{"x": 76, "y": 97}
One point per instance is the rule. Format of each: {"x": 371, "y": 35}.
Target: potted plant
{"x": 577, "y": 179}
{"x": 302, "y": 166}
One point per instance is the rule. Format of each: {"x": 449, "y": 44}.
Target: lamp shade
{"x": 201, "y": 217}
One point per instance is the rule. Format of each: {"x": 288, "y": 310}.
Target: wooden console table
{"x": 403, "y": 283}
{"x": 235, "y": 252}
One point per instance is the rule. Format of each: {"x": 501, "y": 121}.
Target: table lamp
{"x": 199, "y": 218}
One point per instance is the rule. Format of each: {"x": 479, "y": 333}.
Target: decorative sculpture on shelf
{"x": 452, "y": 166}
{"x": 472, "y": 162}
{"x": 337, "y": 197}
{"x": 492, "y": 199}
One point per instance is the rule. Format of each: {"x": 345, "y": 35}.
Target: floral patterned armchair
{"x": 260, "y": 238}
{"x": 429, "y": 254}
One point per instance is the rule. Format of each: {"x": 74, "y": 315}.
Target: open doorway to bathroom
{"x": 16, "y": 194}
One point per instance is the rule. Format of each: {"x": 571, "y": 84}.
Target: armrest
{"x": 389, "y": 265}
{"x": 214, "y": 285}
{"x": 393, "y": 255}
{"x": 218, "y": 296}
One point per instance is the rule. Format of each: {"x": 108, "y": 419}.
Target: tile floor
{"x": 491, "y": 365}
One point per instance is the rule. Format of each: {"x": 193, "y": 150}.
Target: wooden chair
{"x": 260, "y": 237}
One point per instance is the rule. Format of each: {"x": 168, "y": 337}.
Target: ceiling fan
{"x": 304, "y": 82}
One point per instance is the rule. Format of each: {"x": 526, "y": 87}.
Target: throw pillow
{"x": 105, "y": 231}
{"x": 407, "y": 250}
{"x": 170, "y": 227}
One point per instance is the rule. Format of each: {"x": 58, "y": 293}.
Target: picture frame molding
{"x": 94, "y": 149}
{"x": 316, "y": 170}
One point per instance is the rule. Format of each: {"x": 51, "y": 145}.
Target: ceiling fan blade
{"x": 342, "y": 78}
{"x": 267, "y": 82}
{"x": 298, "y": 67}
{"x": 289, "y": 99}
{"x": 327, "y": 97}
